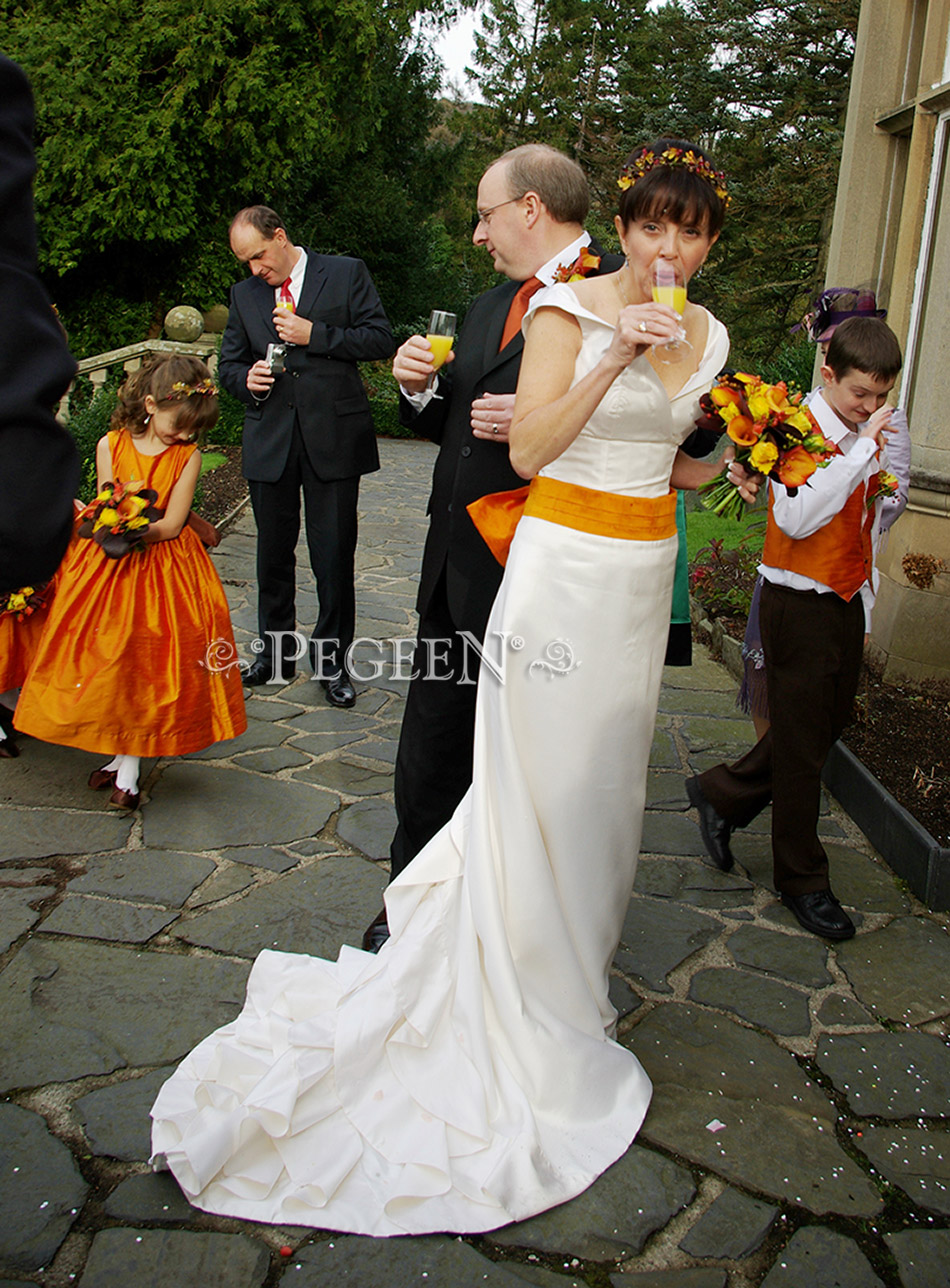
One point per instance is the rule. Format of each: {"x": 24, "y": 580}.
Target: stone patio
{"x": 799, "y": 1134}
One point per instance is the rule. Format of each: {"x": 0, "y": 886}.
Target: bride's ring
{"x": 641, "y": 326}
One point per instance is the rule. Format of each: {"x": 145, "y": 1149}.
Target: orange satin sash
{"x": 605, "y": 514}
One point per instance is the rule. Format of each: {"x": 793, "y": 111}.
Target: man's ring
{"x": 641, "y": 326}
{"x": 494, "y": 429}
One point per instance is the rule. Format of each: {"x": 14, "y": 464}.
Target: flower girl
{"x": 128, "y": 662}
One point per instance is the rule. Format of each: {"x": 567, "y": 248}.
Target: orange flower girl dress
{"x": 137, "y": 656}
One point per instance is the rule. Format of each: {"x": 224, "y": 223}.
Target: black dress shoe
{"x": 6, "y": 720}
{"x": 820, "y": 913}
{"x": 262, "y": 672}
{"x": 377, "y": 932}
{"x": 339, "y": 691}
{"x": 713, "y": 827}
{"x": 8, "y": 749}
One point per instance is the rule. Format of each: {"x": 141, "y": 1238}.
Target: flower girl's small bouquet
{"x": 119, "y": 516}
{"x": 24, "y": 602}
{"x": 774, "y": 435}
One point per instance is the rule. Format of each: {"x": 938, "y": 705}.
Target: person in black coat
{"x": 306, "y": 426}
{"x": 531, "y": 207}
{"x": 39, "y": 464}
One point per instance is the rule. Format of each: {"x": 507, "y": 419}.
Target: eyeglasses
{"x": 483, "y": 216}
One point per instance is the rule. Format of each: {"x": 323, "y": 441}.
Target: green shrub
{"x": 383, "y": 393}
{"x": 230, "y": 419}
{"x": 723, "y": 578}
{"x": 88, "y": 421}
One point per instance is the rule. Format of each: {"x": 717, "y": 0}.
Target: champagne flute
{"x": 440, "y": 335}
{"x": 669, "y": 287}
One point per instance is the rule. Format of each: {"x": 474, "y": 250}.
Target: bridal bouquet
{"x": 119, "y": 516}
{"x": 774, "y": 435}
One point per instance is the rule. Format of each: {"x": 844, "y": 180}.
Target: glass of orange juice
{"x": 440, "y": 335}
{"x": 669, "y": 287}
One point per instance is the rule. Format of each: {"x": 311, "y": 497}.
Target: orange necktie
{"x": 517, "y": 310}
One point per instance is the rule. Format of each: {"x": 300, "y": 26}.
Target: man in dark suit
{"x": 39, "y": 465}
{"x": 531, "y": 207}
{"x": 307, "y": 425}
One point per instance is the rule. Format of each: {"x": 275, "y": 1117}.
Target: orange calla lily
{"x": 722, "y": 395}
{"x": 742, "y": 431}
{"x": 794, "y": 467}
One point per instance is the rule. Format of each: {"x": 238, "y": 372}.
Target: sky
{"x": 455, "y": 47}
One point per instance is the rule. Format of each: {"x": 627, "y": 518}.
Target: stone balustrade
{"x": 96, "y": 369}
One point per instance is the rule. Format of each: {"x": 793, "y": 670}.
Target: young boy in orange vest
{"x": 818, "y": 591}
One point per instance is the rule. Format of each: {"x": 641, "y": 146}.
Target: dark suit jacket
{"x": 39, "y": 465}
{"x": 321, "y": 387}
{"x": 468, "y": 467}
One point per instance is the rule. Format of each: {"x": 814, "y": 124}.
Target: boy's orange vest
{"x": 838, "y": 555}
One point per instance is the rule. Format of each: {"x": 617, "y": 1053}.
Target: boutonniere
{"x": 585, "y": 264}
{"x": 881, "y": 485}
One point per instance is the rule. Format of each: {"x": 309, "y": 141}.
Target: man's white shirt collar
{"x": 829, "y": 422}
{"x": 547, "y": 273}
{"x": 296, "y": 277}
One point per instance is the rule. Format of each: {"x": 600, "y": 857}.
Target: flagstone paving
{"x": 799, "y": 1133}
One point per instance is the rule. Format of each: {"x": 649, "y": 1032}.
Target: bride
{"x": 467, "y": 1077}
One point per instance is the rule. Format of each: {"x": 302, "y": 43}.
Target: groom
{"x": 531, "y": 207}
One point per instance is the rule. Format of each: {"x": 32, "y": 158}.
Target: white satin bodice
{"x": 629, "y": 443}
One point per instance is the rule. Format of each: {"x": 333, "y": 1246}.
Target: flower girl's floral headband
{"x": 674, "y": 158}
{"x": 204, "y": 389}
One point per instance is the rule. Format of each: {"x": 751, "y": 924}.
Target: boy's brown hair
{"x": 864, "y": 344}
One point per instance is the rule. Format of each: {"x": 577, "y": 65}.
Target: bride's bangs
{"x": 675, "y": 195}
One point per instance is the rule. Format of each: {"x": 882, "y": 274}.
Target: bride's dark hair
{"x": 676, "y": 179}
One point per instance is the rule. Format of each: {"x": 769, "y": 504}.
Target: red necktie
{"x": 517, "y": 310}
{"x": 284, "y": 298}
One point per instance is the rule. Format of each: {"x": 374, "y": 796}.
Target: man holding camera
{"x": 296, "y": 330}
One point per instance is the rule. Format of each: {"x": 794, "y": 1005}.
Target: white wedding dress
{"x": 466, "y": 1076}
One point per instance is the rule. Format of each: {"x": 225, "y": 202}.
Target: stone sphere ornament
{"x": 183, "y": 323}
{"x": 216, "y": 318}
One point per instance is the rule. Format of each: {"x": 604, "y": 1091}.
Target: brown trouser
{"x": 813, "y": 644}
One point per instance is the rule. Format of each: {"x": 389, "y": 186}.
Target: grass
{"x": 702, "y": 526}
{"x": 211, "y": 461}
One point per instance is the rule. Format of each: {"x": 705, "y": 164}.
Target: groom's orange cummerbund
{"x": 605, "y": 514}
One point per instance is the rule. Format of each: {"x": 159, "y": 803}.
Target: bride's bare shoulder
{"x": 598, "y": 295}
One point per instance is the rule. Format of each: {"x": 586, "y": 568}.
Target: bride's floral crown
{"x": 674, "y": 158}
{"x": 204, "y": 389}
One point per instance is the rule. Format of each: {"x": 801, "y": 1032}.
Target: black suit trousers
{"x": 331, "y": 531}
{"x": 813, "y": 644}
{"x": 434, "y": 760}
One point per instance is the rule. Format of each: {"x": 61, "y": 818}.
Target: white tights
{"x": 126, "y": 772}
{"x": 8, "y": 700}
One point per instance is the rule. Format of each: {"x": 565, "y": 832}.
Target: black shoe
{"x": 262, "y": 672}
{"x": 713, "y": 827}
{"x": 6, "y": 720}
{"x": 377, "y": 932}
{"x": 820, "y": 913}
{"x": 339, "y": 691}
